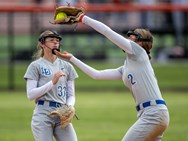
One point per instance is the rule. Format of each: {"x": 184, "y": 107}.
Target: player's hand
{"x": 65, "y": 54}
{"x": 56, "y": 77}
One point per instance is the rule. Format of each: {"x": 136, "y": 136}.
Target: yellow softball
{"x": 60, "y": 15}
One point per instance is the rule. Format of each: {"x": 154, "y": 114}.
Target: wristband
{"x": 81, "y": 17}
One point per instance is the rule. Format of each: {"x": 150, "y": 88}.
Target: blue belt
{"x": 149, "y": 103}
{"x": 51, "y": 103}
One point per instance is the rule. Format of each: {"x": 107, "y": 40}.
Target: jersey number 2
{"x": 131, "y": 78}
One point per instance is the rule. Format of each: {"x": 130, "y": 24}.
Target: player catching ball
{"x": 137, "y": 74}
{"x": 50, "y": 82}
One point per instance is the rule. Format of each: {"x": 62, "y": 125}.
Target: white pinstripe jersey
{"x": 138, "y": 76}
{"x": 137, "y": 72}
{"x": 43, "y": 71}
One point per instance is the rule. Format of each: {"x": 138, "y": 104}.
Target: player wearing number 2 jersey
{"x": 138, "y": 75}
{"x": 50, "y": 82}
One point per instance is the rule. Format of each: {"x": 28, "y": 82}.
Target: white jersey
{"x": 138, "y": 76}
{"x": 137, "y": 73}
{"x": 43, "y": 71}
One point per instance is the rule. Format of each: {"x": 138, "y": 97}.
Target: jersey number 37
{"x": 61, "y": 91}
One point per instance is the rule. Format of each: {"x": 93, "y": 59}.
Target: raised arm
{"x": 116, "y": 38}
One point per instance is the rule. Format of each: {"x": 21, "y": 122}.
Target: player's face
{"x": 52, "y": 42}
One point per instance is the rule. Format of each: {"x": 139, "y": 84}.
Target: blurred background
{"x": 21, "y": 22}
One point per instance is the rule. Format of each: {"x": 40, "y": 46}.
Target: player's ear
{"x": 41, "y": 45}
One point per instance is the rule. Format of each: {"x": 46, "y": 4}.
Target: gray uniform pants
{"x": 150, "y": 125}
{"x": 45, "y": 127}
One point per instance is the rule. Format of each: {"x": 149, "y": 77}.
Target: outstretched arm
{"x": 116, "y": 38}
{"x": 108, "y": 74}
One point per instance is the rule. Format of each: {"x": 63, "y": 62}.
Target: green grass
{"x": 15, "y": 115}
{"x": 170, "y": 77}
{"x": 103, "y": 116}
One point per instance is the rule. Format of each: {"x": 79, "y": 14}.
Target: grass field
{"x": 104, "y": 116}
{"x": 171, "y": 77}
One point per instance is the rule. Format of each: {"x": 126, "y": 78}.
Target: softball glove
{"x": 66, "y": 114}
{"x": 71, "y": 15}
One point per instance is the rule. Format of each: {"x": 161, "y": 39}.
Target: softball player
{"x": 138, "y": 75}
{"x": 50, "y": 82}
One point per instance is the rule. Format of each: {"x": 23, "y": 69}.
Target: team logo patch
{"x": 45, "y": 71}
